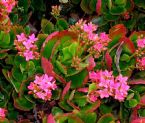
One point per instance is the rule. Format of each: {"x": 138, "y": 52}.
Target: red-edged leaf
{"x": 86, "y": 79}
{"x": 84, "y": 90}
{"x": 66, "y": 89}
{"x": 50, "y": 119}
{"x": 108, "y": 60}
{"x": 95, "y": 106}
{"x": 116, "y": 30}
{"x": 134, "y": 114}
{"x": 139, "y": 33}
{"x": 137, "y": 81}
{"x": 50, "y": 37}
{"x": 47, "y": 66}
{"x": 73, "y": 105}
{"x": 128, "y": 43}
{"x": 98, "y": 6}
{"x": 132, "y": 6}
{"x": 139, "y": 120}
{"x": 106, "y": 117}
{"x": 142, "y": 100}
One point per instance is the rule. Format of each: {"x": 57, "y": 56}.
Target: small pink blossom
{"x": 21, "y": 37}
{"x": 103, "y": 93}
{"x": 42, "y": 87}
{"x": 28, "y": 45}
{"x": 28, "y": 55}
{"x": 141, "y": 43}
{"x": 92, "y": 63}
{"x": 93, "y": 37}
{"x": 32, "y": 38}
{"x": 2, "y": 113}
{"x": 89, "y": 28}
{"x": 93, "y": 97}
{"x": 104, "y": 37}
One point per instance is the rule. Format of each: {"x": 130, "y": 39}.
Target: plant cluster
{"x": 72, "y": 69}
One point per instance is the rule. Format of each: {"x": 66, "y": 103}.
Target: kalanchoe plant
{"x": 76, "y": 73}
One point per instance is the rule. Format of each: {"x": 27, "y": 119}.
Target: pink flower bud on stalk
{"x": 42, "y": 87}
{"x": 26, "y": 46}
{"x": 108, "y": 85}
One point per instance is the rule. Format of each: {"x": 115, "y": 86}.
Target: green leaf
{"x": 105, "y": 109}
{"x": 16, "y": 73}
{"x": 119, "y": 2}
{"x": 107, "y": 118}
{"x": 62, "y": 24}
{"x": 76, "y": 1}
{"x": 117, "y": 10}
{"x": 133, "y": 103}
{"x": 30, "y": 68}
{"x": 141, "y": 112}
{"x": 20, "y": 60}
{"x": 88, "y": 117}
{"x": 4, "y": 39}
{"x": 61, "y": 67}
{"x": 125, "y": 57}
{"x": 85, "y": 6}
{"x": 92, "y": 5}
{"x": 56, "y": 111}
{"x": 48, "y": 48}
{"x": 47, "y": 26}
{"x": 77, "y": 80}
{"x": 22, "y": 103}
{"x": 140, "y": 3}
{"x": 41, "y": 39}
{"x": 27, "y": 30}
{"x": 92, "y": 87}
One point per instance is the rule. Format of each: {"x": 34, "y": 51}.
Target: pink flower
{"x": 28, "y": 55}
{"x": 2, "y": 113}
{"x": 98, "y": 47}
{"x": 28, "y": 44}
{"x": 103, "y": 93}
{"x": 32, "y": 38}
{"x": 94, "y": 76}
{"x": 9, "y": 5}
{"x": 141, "y": 43}
{"x": 21, "y": 37}
{"x": 93, "y": 97}
{"x": 42, "y": 87}
{"x": 89, "y": 27}
{"x": 104, "y": 37}
{"x": 92, "y": 63}
{"x": 93, "y": 37}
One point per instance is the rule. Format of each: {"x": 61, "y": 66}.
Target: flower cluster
{"x": 140, "y": 64}
{"x": 42, "y": 87}
{"x": 108, "y": 85}
{"x": 2, "y": 113}
{"x": 26, "y": 46}
{"x": 96, "y": 43}
{"x": 56, "y": 11}
{"x": 99, "y": 41}
{"x": 6, "y": 7}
